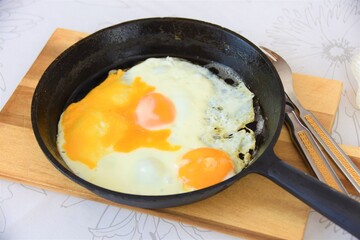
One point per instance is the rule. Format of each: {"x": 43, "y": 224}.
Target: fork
{"x": 317, "y": 130}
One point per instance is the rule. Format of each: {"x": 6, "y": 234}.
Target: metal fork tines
{"x": 350, "y": 170}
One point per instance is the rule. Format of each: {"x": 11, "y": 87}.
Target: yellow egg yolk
{"x": 114, "y": 116}
{"x": 203, "y": 167}
{"x": 155, "y": 110}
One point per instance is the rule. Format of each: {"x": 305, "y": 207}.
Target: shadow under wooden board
{"x": 253, "y": 207}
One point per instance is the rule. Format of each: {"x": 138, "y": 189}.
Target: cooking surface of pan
{"x": 85, "y": 65}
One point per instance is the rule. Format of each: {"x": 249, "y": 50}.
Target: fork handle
{"x": 312, "y": 153}
{"x": 345, "y": 164}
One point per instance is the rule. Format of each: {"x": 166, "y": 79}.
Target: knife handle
{"x": 310, "y": 149}
{"x": 345, "y": 164}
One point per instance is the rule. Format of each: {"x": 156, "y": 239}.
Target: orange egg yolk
{"x": 116, "y": 116}
{"x": 155, "y": 110}
{"x": 203, "y": 167}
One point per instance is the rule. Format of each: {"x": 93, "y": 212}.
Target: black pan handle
{"x": 336, "y": 206}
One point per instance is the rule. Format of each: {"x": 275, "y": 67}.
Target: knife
{"x": 311, "y": 151}
{"x": 344, "y": 163}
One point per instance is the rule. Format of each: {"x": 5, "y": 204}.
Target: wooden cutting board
{"x": 253, "y": 207}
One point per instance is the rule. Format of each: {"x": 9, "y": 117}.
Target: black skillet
{"x": 86, "y": 64}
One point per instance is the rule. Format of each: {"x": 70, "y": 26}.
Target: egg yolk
{"x": 203, "y": 167}
{"x": 114, "y": 116}
{"x": 155, "y": 110}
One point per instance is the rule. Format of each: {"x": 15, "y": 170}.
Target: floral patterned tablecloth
{"x": 316, "y": 37}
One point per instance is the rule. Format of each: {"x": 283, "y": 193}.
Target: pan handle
{"x": 336, "y": 206}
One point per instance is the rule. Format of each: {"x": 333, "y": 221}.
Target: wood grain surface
{"x": 253, "y": 207}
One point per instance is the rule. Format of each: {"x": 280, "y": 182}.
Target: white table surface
{"x": 316, "y": 37}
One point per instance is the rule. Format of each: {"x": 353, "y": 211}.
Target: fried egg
{"x": 164, "y": 126}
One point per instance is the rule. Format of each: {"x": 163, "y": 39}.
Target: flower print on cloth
{"x": 5, "y": 194}
{"x": 329, "y": 230}
{"x": 2, "y": 81}
{"x": 8, "y": 192}
{"x": 108, "y": 3}
{"x": 71, "y": 201}
{"x": 12, "y": 25}
{"x": 306, "y": 38}
{"x": 119, "y": 223}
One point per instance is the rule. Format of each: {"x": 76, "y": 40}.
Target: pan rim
{"x": 134, "y": 197}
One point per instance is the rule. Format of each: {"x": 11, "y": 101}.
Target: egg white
{"x": 229, "y": 110}
{"x": 204, "y": 117}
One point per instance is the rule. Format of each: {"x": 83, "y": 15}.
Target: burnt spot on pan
{"x": 226, "y": 73}
{"x": 232, "y": 78}
{"x": 230, "y": 81}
